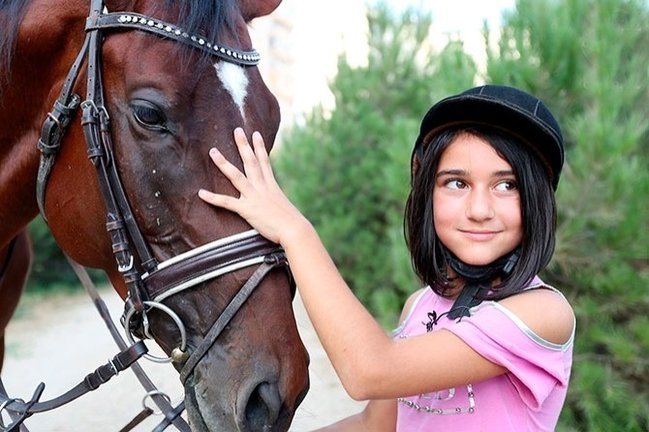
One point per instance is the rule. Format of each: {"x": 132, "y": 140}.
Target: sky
{"x": 453, "y": 16}
{"x": 321, "y": 30}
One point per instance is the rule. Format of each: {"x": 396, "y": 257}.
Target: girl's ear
{"x": 251, "y": 9}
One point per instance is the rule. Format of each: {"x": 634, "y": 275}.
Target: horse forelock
{"x": 207, "y": 18}
{"x": 210, "y": 19}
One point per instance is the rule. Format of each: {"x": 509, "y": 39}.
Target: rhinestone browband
{"x": 167, "y": 30}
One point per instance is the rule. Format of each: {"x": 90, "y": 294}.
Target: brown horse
{"x": 158, "y": 84}
{"x": 15, "y": 260}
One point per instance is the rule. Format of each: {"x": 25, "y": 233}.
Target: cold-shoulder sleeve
{"x": 535, "y": 366}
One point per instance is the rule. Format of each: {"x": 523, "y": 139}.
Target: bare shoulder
{"x": 546, "y": 312}
{"x": 407, "y": 306}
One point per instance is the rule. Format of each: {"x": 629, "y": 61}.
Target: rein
{"x": 149, "y": 282}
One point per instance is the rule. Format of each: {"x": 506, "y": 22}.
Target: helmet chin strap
{"x": 477, "y": 280}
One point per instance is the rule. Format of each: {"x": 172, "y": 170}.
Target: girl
{"x": 486, "y": 346}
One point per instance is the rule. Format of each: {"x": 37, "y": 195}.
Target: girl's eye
{"x": 149, "y": 116}
{"x": 506, "y": 186}
{"x": 455, "y": 184}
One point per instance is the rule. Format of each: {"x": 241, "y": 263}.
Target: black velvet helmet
{"x": 504, "y": 108}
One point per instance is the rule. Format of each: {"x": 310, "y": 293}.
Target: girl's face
{"x": 477, "y": 212}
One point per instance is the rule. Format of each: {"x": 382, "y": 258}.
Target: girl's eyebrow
{"x": 499, "y": 173}
{"x": 461, "y": 172}
{"x": 451, "y": 172}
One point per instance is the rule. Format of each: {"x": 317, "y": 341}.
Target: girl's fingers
{"x": 225, "y": 201}
{"x": 256, "y": 178}
{"x": 250, "y": 163}
{"x": 262, "y": 156}
{"x": 236, "y": 177}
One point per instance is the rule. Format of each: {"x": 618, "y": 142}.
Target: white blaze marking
{"x": 235, "y": 82}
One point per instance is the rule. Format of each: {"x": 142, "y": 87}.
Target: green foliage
{"x": 50, "y": 270}
{"x": 588, "y": 60}
{"x": 348, "y": 171}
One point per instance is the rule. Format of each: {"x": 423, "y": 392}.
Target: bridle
{"x": 149, "y": 282}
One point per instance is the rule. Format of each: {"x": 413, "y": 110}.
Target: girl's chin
{"x": 475, "y": 259}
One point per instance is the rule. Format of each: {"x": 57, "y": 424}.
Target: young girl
{"x": 486, "y": 346}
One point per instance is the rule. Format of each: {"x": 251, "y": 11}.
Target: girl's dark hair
{"x": 538, "y": 212}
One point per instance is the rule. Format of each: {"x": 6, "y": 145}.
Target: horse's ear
{"x": 251, "y": 9}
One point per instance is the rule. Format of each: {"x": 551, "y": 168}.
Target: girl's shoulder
{"x": 409, "y": 308}
{"x": 545, "y": 311}
{"x": 410, "y": 303}
{"x": 423, "y": 298}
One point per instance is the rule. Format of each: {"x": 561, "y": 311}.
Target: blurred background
{"x": 354, "y": 79}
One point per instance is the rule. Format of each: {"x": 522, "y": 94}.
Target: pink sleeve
{"x": 535, "y": 365}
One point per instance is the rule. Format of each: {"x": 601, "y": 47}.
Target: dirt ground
{"x": 60, "y": 340}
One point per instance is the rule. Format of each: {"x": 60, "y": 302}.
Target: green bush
{"x": 50, "y": 270}
{"x": 588, "y": 60}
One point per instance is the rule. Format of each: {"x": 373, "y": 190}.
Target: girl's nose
{"x": 479, "y": 205}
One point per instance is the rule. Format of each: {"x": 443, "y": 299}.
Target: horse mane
{"x": 12, "y": 13}
{"x": 207, "y": 18}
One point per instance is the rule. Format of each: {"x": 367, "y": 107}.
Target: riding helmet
{"x": 504, "y": 108}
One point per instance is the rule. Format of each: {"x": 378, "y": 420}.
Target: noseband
{"x": 149, "y": 282}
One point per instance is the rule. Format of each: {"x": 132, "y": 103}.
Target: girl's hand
{"x": 261, "y": 202}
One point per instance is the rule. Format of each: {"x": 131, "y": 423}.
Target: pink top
{"x": 529, "y": 397}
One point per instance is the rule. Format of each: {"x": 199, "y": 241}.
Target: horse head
{"x": 166, "y": 81}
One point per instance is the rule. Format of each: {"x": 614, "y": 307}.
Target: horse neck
{"x": 46, "y": 42}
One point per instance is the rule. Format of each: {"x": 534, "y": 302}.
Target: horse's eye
{"x": 149, "y": 116}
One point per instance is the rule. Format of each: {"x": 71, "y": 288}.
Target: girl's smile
{"x": 478, "y": 235}
{"x": 476, "y": 200}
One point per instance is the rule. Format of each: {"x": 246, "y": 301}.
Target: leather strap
{"x": 54, "y": 127}
{"x": 171, "y": 413}
{"x": 230, "y": 311}
{"x": 167, "y": 278}
{"x": 172, "y": 417}
{"x": 139, "y": 418}
{"x": 132, "y": 20}
{"x": 91, "y": 382}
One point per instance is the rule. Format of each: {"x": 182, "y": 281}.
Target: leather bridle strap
{"x": 92, "y": 381}
{"x": 207, "y": 262}
{"x": 171, "y": 413}
{"x": 55, "y": 125}
{"x": 270, "y": 262}
{"x": 120, "y": 221}
{"x": 135, "y": 21}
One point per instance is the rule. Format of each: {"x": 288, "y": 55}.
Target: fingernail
{"x": 214, "y": 151}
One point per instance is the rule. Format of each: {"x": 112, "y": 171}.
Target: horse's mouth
{"x": 194, "y": 415}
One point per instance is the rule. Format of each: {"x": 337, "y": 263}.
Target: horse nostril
{"x": 263, "y": 407}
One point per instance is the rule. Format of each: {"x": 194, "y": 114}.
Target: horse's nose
{"x": 262, "y": 408}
